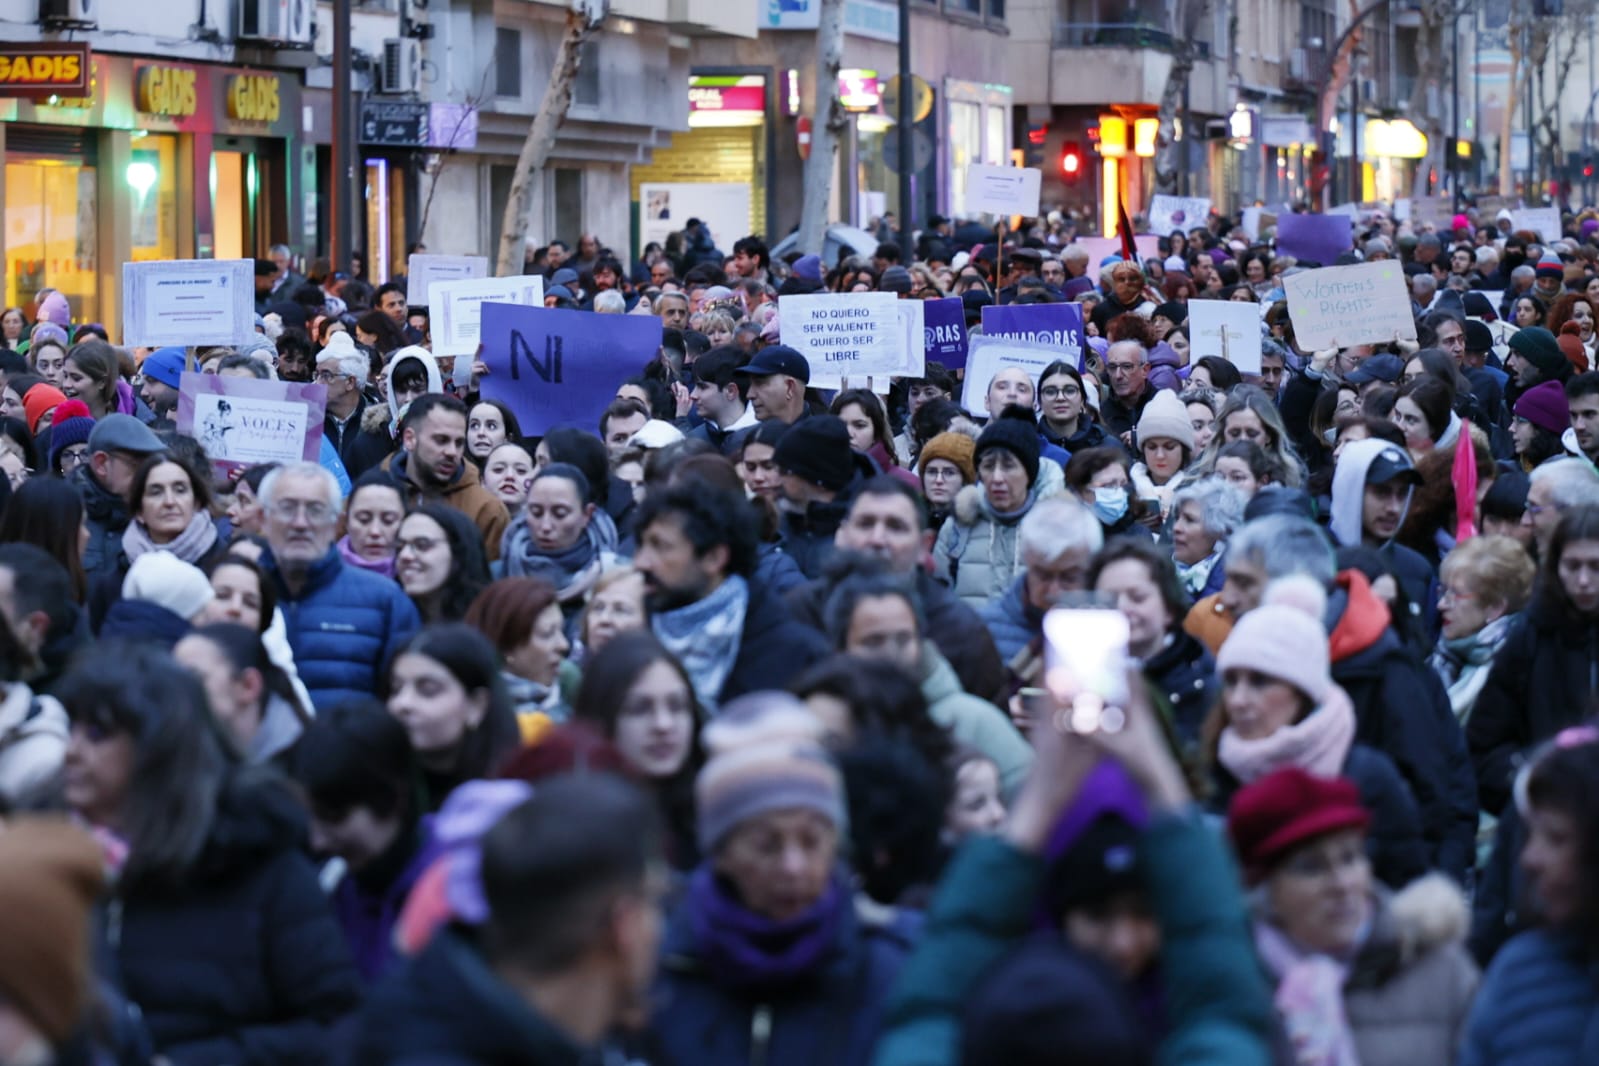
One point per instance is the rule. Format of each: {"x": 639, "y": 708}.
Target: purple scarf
{"x": 745, "y": 951}
{"x": 380, "y": 567}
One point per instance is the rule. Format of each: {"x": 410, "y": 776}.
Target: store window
{"x": 965, "y": 146}
{"x": 566, "y": 204}
{"x": 507, "y": 62}
{"x": 51, "y": 210}
{"x": 153, "y": 177}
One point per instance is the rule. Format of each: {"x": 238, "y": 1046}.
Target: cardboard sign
{"x": 187, "y": 302}
{"x": 986, "y": 356}
{"x": 944, "y": 332}
{"x": 852, "y": 336}
{"x": 1318, "y": 238}
{"x": 553, "y": 366}
{"x": 244, "y": 421}
{"x": 1177, "y": 214}
{"x": 421, "y": 271}
{"x": 1544, "y": 221}
{"x": 1002, "y": 190}
{"x": 1435, "y": 211}
{"x": 1335, "y": 307}
{"x": 456, "y": 314}
{"x": 1227, "y": 328}
{"x": 1058, "y": 327}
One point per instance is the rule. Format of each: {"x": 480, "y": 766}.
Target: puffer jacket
{"x": 465, "y": 493}
{"x": 1012, "y": 621}
{"x": 972, "y": 721}
{"x": 1184, "y": 674}
{"x": 33, "y": 740}
{"x": 106, "y": 517}
{"x": 1537, "y": 1005}
{"x": 975, "y": 553}
{"x": 344, "y": 626}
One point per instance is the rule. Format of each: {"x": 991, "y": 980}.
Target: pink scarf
{"x": 1319, "y": 744}
{"x": 1309, "y": 998}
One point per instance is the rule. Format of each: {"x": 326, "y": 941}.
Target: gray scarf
{"x": 705, "y": 637}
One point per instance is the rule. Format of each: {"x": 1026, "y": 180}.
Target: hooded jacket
{"x": 380, "y": 435}
{"x": 973, "y": 722}
{"x": 1402, "y": 710}
{"x": 33, "y": 741}
{"x": 1411, "y": 570}
{"x": 464, "y": 493}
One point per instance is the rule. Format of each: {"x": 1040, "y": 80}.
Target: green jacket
{"x": 1217, "y": 999}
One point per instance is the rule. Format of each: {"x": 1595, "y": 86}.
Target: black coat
{"x": 242, "y": 961}
{"x": 773, "y": 647}
{"x": 1184, "y": 673}
{"x": 1544, "y": 678}
{"x": 448, "y": 1008}
{"x": 1402, "y": 710}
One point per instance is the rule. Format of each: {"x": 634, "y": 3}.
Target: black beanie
{"x": 1016, "y": 437}
{"x": 817, "y": 449}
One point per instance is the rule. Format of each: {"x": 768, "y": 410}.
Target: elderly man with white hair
{"x": 343, "y": 370}
{"x": 1556, "y": 487}
{"x": 344, "y": 624}
{"x": 1055, "y": 545}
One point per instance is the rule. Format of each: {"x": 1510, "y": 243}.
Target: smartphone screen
{"x": 1085, "y": 666}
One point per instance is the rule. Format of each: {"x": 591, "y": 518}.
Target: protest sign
{"x": 457, "y": 308}
{"x": 1227, "y": 328}
{"x": 856, "y": 335}
{"x": 1168, "y": 214}
{"x": 1338, "y": 306}
{"x": 243, "y": 421}
{"x": 1318, "y": 238}
{"x": 1002, "y": 190}
{"x": 1544, "y": 221}
{"x": 1435, "y": 211}
{"x": 944, "y": 332}
{"x": 1488, "y": 207}
{"x": 554, "y": 367}
{"x": 913, "y": 349}
{"x": 1057, "y": 326}
{"x": 187, "y": 302}
{"x": 421, "y": 271}
{"x": 986, "y": 356}
{"x": 1147, "y": 245}
{"x": 1347, "y": 210}
{"x": 1251, "y": 222}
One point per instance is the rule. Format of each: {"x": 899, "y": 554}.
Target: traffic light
{"x": 1587, "y": 166}
{"x": 1071, "y": 162}
{"x": 1037, "y": 134}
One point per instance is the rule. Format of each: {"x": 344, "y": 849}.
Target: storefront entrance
{"x": 51, "y": 194}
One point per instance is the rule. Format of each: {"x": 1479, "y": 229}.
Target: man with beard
{"x": 696, "y": 549}
{"x": 431, "y": 465}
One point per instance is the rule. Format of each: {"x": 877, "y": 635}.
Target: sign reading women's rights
{"x": 848, "y": 336}
{"x": 987, "y": 356}
{"x": 944, "y": 332}
{"x": 1057, "y": 326}
{"x": 552, "y": 367}
{"x": 244, "y": 421}
{"x": 1335, "y": 307}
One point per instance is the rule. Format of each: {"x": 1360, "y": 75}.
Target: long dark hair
{"x": 472, "y": 661}
{"x": 48, "y": 513}
{"x": 872, "y": 407}
{"x": 268, "y": 591}
{"x": 1565, "y": 778}
{"x": 182, "y": 758}
{"x": 469, "y": 567}
{"x": 381, "y": 326}
{"x": 1578, "y": 523}
{"x": 243, "y": 649}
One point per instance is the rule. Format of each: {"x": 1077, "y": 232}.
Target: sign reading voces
{"x": 1335, "y": 307}
{"x": 245, "y": 421}
{"x": 40, "y": 71}
{"x": 554, "y": 367}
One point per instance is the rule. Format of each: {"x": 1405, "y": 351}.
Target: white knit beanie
{"x": 163, "y": 579}
{"x": 1165, "y": 416}
{"x": 1284, "y": 638}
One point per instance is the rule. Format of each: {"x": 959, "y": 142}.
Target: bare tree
{"x": 1555, "y": 42}
{"x": 465, "y": 117}
{"x": 1186, "y": 18}
{"x": 583, "y": 17}
{"x": 828, "y": 123}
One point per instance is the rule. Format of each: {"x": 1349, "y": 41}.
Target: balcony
{"x": 1307, "y": 70}
{"x": 1130, "y": 59}
{"x": 1120, "y": 35}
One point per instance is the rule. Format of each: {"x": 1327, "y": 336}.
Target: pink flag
{"x": 1464, "y": 477}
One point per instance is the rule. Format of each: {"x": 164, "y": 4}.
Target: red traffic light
{"x": 1071, "y": 160}
{"x": 1037, "y": 134}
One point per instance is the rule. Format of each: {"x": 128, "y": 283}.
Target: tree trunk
{"x": 1508, "y": 122}
{"x": 1186, "y": 15}
{"x": 1430, "y": 73}
{"x": 827, "y": 122}
{"x": 580, "y": 26}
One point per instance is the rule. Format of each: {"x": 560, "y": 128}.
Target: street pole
{"x": 903, "y": 122}
{"x": 341, "y": 239}
{"x": 1354, "y": 128}
{"x": 1454, "y": 114}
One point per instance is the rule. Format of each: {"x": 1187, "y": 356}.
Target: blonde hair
{"x": 1498, "y": 570}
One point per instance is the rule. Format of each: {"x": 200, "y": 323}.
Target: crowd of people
{"x": 719, "y": 726}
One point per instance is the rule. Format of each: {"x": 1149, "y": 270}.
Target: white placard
{"x": 1335, "y": 307}
{"x": 1177, "y": 213}
{"x": 1544, "y": 221}
{"x": 1251, "y": 222}
{"x": 1002, "y": 190}
{"x": 1352, "y": 210}
{"x": 421, "y": 271}
{"x": 913, "y": 320}
{"x": 856, "y": 335}
{"x": 987, "y": 356}
{"x": 666, "y": 207}
{"x": 457, "y": 308}
{"x": 1228, "y": 328}
{"x": 187, "y": 302}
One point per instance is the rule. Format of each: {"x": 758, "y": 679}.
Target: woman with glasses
{"x": 439, "y": 562}
{"x": 946, "y": 467}
{"x": 1360, "y": 974}
{"x": 1066, "y": 416}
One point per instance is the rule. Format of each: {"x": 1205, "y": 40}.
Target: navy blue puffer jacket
{"x": 1538, "y": 1006}
{"x": 344, "y": 626}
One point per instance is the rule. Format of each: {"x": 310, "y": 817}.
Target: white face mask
{"x": 1110, "y": 504}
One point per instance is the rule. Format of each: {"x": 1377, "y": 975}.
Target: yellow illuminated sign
{"x": 253, "y": 98}
{"x": 168, "y": 91}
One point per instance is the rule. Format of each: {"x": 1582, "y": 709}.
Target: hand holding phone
{"x": 1085, "y": 668}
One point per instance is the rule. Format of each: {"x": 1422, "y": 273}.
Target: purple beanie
{"x": 1544, "y": 405}
{"x": 1588, "y": 226}
{"x": 54, "y": 308}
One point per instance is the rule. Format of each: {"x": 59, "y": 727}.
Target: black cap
{"x": 1280, "y": 499}
{"x": 778, "y": 359}
{"x": 1476, "y": 305}
{"x": 1392, "y": 463}
{"x": 817, "y": 449}
{"x": 1479, "y": 338}
{"x": 1385, "y": 368}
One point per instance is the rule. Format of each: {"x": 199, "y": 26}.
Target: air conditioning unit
{"x": 69, "y": 14}
{"x": 401, "y": 70}
{"x": 290, "y": 23}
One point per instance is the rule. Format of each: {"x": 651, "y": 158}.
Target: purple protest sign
{"x": 553, "y": 367}
{"x": 944, "y": 327}
{"x": 1318, "y": 238}
{"x": 1056, "y": 325}
{"x": 244, "y": 421}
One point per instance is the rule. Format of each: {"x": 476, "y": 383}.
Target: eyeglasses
{"x": 73, "y": 459}
{"x": 1122, "y": 368}
{"x": 1449, "y": 595}
{"x": 328, "y": 377}
{"x": 315, "y": 511}
{"x": 1057, "y": 392}
{"x": 934, "y": 473}
{"x": 420, "y": 545}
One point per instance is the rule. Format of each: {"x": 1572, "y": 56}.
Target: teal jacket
{"x": 1218, "y": 1003}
